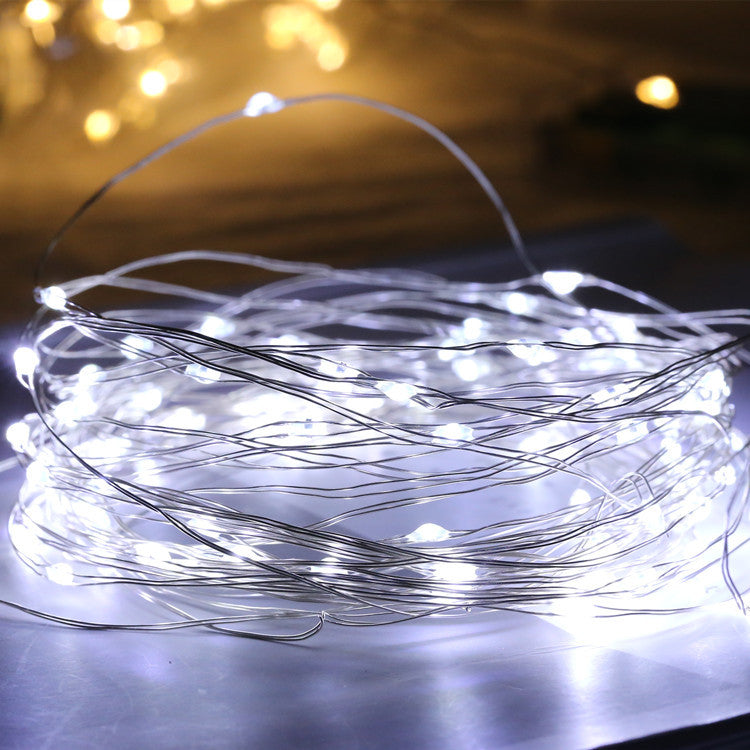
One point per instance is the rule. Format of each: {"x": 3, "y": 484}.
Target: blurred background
{"x": 588, "y": 117}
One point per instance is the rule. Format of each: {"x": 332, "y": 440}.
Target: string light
{"x": 115, "y": 10}
{"x": 41, "y": 12}
{"x": 658, "y": 91}
{"x": 101, "y": 125}
{"x": 309, "y": 452}
{"x": 153, "y": 83}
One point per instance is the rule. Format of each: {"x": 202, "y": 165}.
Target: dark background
{"x": 540, "y": 93}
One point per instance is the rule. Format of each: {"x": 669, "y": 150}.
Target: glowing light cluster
{"x": 291, "y": 23}
{"x": 360, "y": 447}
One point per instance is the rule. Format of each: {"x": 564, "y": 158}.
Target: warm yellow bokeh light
{"x": 44, "y": 34}
{"x": 171, "y": 69}
{"x": 331, "y": 55}
{"x": 179, "y": 7}
{"x": 127, "y": 38}
{"x": 658, "y": 91}
{"x": 101, "y": 125}
{"x": 279, "y": 37}
{"x": 105, "y": 30}
{"x": 327, "y": 4}
{"x": 289, "y": 23}
{"x": 41, "y": 11}
{"x": 153, "y": 83}
{"x": 115, "y": 10}
{"x": 145, "y": 33}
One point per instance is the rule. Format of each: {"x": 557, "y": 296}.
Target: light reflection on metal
{"x": 658, "y": 91}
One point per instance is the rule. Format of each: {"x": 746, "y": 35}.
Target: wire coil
{"x": 363, "y": 447}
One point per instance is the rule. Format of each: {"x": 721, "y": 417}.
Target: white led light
{"x": 54, "y": 297}
{"x": 454, "y": 432}
{"x": 473, "y": 328}
{"x": 184, "y": 418}
{"x": 37, "y": 474}
{"x": 737, "y": 440}
{"x": 578, "y": 335}
{"x": 725, "y": 475}
{"x": 562, "y": 282}
{"x": 470, "y": 369}
{"x": 216, "y": 327}
{"x": 262, "y": 103}
{"x": 134, "y": 347}
{"x": 201, "y": 373}
{"x": 520, "y": 304}
{"x": 18, "y": 435}
{"x": 336, "y": 369}
{"x": 26, "y": 361}
{"x": 89, "y": 374}
{"x": 652, "y": 519}
{"x": 69, "y": 412}
{"x": 672, "y": 449}
{"x": 401, "y": 393}
{"x": 148, "y": 398}
{"x": 580, "y": 497}
{"x": 428, "y": 532}
{"x": 533, "y": 353}
{"x": 455, "y": 572}
{"x": 624, "y": 328}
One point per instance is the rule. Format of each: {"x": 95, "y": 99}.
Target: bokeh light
{"x": 153, "y": 83}
{"x": 101, "y": 125}
{"x": 115, "y": 10}
{"x": 658, "y": 91}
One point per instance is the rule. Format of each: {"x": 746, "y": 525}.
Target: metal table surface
{"x": 479, "y": 681}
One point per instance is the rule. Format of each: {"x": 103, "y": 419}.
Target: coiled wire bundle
{"x": 363, "y": 447}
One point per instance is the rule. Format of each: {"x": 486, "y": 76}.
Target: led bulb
{"x": 472, "y": 328}
{"x": 562, "y": 282}
{"x": 455, "y": 572}
{"x": 135, "y": 346}
{"x": 201, "y": 373}
{"x": 401, "y": 393}
{"x": 262, "y": 103}
{"x": 26, "y": 360}
{"x": 18, "y": 435}
{"x": 216, "y": 327}
{"x": 428, "y": 532}
{"x": 519, "y": 303}
{"x": 54, "y": 297}
{"x": 148, "y": 399}
{"x": 89, "y": 374}
{"x": 580, "y": 497}
{"x": 336, "y": 369}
